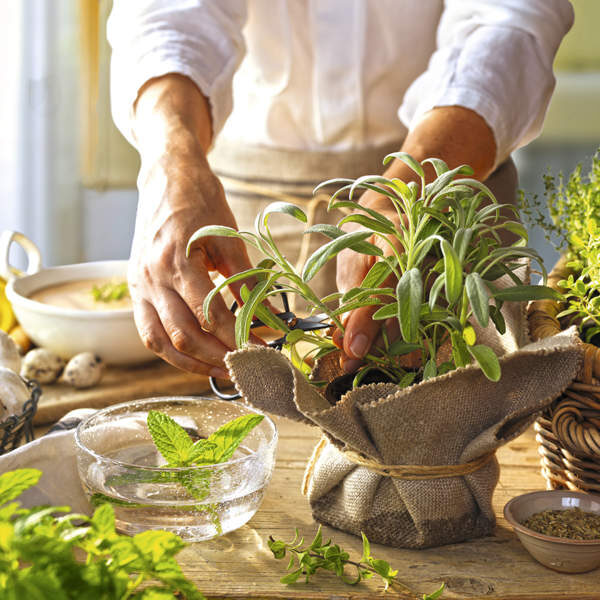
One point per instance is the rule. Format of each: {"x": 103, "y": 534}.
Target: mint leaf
{"x": 227, "y": 438}
{"x": 199, "y": 449}
{"x": 13, "y": 483}
{"x": 103, "y": 520}
{"x": 170, "y": 438}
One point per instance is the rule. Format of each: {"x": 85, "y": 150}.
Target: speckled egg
{"x": 9, "y": 353}
{"x": 42, "y": 365}
{"x": 83, "y": 370}
{"x": 13, "y": 393}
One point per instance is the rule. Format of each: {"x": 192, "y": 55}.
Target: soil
{"x": 342, "y": 384}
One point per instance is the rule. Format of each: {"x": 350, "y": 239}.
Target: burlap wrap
{"x": 451, "y": 419}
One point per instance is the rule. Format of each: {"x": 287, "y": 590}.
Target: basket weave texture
{"x": 17, "y": 427}
{"x": 568, "y": 431}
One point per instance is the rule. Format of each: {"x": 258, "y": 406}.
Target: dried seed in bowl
{"x": 572, "y": 523}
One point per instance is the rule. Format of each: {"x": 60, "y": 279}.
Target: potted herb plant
{"x": 569, "y": 430}
{"x": 458, "y": 302}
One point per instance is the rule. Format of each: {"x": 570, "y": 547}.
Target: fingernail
{"x": 351, "y": 365}
{"x": 219, "y": 373}
{"x": 359, "y": 345}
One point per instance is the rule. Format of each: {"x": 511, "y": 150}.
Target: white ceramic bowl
{"x": 110, "y": 334}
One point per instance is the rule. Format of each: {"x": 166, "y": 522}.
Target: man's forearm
{"x": 455, "y": 134}
{"x": 171, "y": 113}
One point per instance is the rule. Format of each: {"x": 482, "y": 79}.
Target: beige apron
{"x": 254, "y": 176}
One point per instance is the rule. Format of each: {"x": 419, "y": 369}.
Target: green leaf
{"x": 435, "y": 291}
{"x": 227, "y": 438}
{"x": 291, "y": 577}
{"x": 408, "y": 160}
{"x": 366, "y": 548}
{"x": 170, "y": 438}
{"x": 479, "y": 298}
{"x": 331, "y": 231}
{"x": 498, "y": 319}
{"x": 13, "y": 483}
{"x": 410, "y": 295}
{"x": 435, "y": 595}
{"x": 469, "y": 335}
{"x": 399, "y": 347}
{"x": 452, "y": 272}
{"x": 103, "y": 520}
{"x": 368, "y": 223}
{"x": 430, "y": 369}
{"x": 294, "y": 336}
{"x": 211, "y": 231}
{"x": 387, "y": 311}
{"x": 460, "y": 353}
{"x": 254, "y": 272}
{"x": 283, "y": 207}
{"x": 243, "y": 320}
{"x": 462, "y": 239}
{"x": 516, "y": 228}
{"x": 438, "y": 164}
{"x": 445, "y": 179}
{"x": 524, "y": 293}
{"x": 277, "y": 547}
{"x": 487, "y": 360}
{"x": 377, "y": 274}
{"x": 330, "y": 250}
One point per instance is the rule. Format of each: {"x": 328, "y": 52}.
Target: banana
{"x": 7, "y": 316}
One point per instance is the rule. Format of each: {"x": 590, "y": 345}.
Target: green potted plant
{"x": 447, "y": 256}
{"x": 569, "y": 430}
{"x": 408, "y": 461}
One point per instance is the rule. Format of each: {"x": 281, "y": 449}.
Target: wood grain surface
{"x": 240, "y": 565}
{"x": 120, "y": 384}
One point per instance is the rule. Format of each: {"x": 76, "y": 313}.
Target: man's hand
{"x": 179, "y": 194}
{"x": 456, "y": 135}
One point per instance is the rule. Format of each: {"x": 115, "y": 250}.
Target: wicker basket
{"x": 15, "y": 427}
{"x": 568, "y": 432}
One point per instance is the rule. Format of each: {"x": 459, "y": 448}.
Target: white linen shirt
{"x": 341, "y": 74}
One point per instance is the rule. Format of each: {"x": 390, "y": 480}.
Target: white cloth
{"x": 335, "y": 74}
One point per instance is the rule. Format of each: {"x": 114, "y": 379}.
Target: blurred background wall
{"x": 67, "y": 177}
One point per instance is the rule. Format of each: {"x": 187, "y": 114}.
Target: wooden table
{"x": 240, "y": 565}
{"x": 120, "y": 384}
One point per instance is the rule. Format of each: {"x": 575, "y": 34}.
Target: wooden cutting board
{"x": 120, "y": 384}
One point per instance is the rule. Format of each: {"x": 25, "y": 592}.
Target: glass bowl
{"x": 119, "y": 463}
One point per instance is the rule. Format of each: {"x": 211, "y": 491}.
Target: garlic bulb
{"x": 9, "y": 353}
{"x": 13, "y": 393}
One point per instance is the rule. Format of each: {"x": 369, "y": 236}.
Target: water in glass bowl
{"x": 196, "y": 503}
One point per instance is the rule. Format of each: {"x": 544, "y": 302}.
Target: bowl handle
{"x": 34, "y": 258}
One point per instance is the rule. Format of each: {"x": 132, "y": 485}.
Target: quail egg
{"x": 42, "y": 365}
{"x": 83, "y": 370}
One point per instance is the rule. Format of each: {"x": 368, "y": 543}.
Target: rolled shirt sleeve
{"x": 494, "y": 57}
{"x": 201, "y": 39}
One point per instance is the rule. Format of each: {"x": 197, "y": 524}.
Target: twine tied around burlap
{"x": 455, "y": 421}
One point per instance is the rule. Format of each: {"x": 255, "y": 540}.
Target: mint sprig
{"x": 179, "y": 450}
{"x": 305, "y": 561}
{"x": 38, "y": 549}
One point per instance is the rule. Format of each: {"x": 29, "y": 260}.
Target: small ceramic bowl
{"x": 119, "y": 463}
{"x": 560, "y": 554}
{"x": 111, "y": 334}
